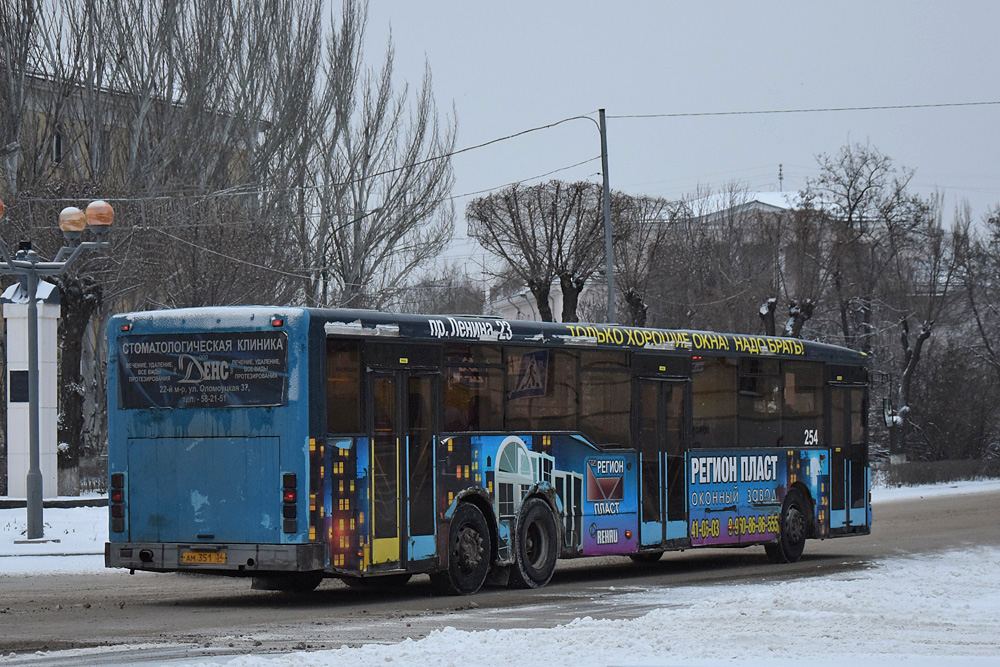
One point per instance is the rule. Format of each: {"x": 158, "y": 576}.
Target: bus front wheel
{"x": 469, "y": 550}
{"x": 536, "y": 546}
{"x": 793, "y": 527}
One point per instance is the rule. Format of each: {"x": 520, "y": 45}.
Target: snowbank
{"x": 929, "y": 611}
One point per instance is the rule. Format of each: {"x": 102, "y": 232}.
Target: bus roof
{"x": 472, "y": 328}
{"x": 466, "y": 328}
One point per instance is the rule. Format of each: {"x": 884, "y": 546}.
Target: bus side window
{"x": 541, "y": 390}
{"x": 605, "y": 397}
{"x": 802, "y": 420}
{"x": 713, "y": 391}
{"x": 343, "y": 379}
{"x": 473, "y": 391}
{"x": 759, "y": 403}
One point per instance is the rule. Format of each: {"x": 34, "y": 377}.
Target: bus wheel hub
{"x": 795, "y": 524}
{"x": 469, "y": 550}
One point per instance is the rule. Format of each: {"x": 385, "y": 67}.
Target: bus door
{"x": 404, "y": 420}
{"x": 661, "y": 452}
{"x": 848, "y": 457}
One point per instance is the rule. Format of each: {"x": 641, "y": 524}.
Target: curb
{"x": 58, "y": 503}
{"x": 84, "y": 553}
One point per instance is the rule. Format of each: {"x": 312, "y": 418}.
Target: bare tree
{"x": 18, "y": 48}
{"x": 384, "y": 179}
{"x": 803, "y": 236}
{"x": 873, "y": 214}
{"x": 447, "y": 290}
{"x": 200, "y": 119}
{"x": 924, "y": 273}
{"x": 720, "y": 254}
{"x": 543, "y": 233}
{"x": 980, "y": 277}
{"x": 641, "y": 230}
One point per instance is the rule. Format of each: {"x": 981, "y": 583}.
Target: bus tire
{"x": 536, "y": 546}
{"x": 469, "y": 552}
{"x": 646, "y": 556}
{"x": 793, "y": 528}
{"x": 382, "y": 583}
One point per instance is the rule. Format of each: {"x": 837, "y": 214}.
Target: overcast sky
{"x": 512, "y": 65}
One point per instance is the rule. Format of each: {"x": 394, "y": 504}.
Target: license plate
{"x": 203, "y": 557}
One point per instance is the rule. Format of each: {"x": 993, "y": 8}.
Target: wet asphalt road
{"x": 191, "y": 616}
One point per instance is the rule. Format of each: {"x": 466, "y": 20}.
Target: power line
{"x": 231, "y": 192}
{"x": 239, "y": 191}
{"x": 815, "y": 110}
{"x": 532, "y": 178}
{"x": 223, "y": 255}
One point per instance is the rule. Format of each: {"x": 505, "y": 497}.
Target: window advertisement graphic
{"x": 533, "y": 375}
{"x": 213, "y": 370}
{"x": 736, "y": 497}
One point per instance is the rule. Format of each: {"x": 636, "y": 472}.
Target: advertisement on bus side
{"x": 610, "y": 505}
{"x": 736, "y": 496}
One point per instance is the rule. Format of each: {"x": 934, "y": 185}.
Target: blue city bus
{"x": 293, "y": 444}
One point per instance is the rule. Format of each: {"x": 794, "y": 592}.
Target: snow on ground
{"x": 881, "y": 494}
{"x": 73, "y": 541}
{"x": 933, "y": 610}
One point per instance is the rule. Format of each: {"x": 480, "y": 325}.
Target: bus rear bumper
{"x": 224, "y": 559}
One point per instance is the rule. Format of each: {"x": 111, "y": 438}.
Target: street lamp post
{"x": 26, "y": 263}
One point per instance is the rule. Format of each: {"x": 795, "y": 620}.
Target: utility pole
{"x": 609, "y": 261}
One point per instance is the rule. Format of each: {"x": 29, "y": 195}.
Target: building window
{"x": 57, "y": 144}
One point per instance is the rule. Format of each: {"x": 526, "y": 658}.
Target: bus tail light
{"x": 116, "y": 499}
{"x": 289, "y": 509}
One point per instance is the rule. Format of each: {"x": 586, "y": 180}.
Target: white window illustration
{"x": 517, "y": 469}
{"x": 569, "y": 488}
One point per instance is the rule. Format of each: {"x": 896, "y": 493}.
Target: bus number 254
{"x": 811, "y": 437}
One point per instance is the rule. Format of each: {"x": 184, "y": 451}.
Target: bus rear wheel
{"x": 535, "y": 547}
{"x": 793, "y": 528}
{"x": 469, "y": 551}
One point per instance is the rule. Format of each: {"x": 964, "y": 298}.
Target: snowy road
{"x": 164, "y": 617}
